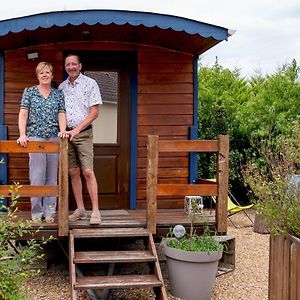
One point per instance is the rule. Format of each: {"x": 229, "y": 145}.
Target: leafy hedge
{"x": 250, "y": 111}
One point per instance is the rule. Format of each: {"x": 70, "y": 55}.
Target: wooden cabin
{"x": 146, "y": 65}
{"x": 153, "y": 60}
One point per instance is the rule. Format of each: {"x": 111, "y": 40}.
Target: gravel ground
{"x": 249, "y": 280}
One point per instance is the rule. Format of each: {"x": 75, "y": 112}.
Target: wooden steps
{"x": 109, "y": 232}
{"x": 152, "y": 279}
{"x": 90, "y": 257}
{"x": 118, "y": 281}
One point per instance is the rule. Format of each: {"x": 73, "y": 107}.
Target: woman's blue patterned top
{"x": 42, "y": 113}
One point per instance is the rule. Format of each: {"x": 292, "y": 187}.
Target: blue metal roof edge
{"x": 118, "y": 17}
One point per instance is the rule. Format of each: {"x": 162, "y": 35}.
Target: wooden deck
{"x": 166, "y": 218}
{"x": 156, "y": 221}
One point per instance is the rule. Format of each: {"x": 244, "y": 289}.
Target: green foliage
{"x": 221, "y": 94}
{"x": 273, "y": 107}
{"x": 249, "y": 111}
{"x": 202, "y": 243}
{"x": 192, "y": 241}
{"x": 271, "y": 180}
{"x": 16, "y": 259}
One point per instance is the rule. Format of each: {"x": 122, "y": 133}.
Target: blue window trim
{"x": 118, "y": 17}
{"x": 133, "y": 137}
{"x": 3, "y": 127}
{"x": 194, "y": 129}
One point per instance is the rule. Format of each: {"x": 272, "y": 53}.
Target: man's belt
{"x": 87, "y": 128}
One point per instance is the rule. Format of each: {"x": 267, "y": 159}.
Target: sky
{"x": 267, "y": 31}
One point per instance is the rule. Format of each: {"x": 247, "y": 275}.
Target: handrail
{"x": 203, "y": 188}
{"x": 60, "y": 190}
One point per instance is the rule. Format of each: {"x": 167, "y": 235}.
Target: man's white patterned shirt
{"x": 79, "y": 97}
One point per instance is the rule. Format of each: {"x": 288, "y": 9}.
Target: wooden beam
{"x": 272, "y": 268}
{"x": 72, "y": 270}
{"x": 187, "y": 189}
{"x": 222, "y": 180}
{"x": 189, "y": 146}
{"x": 293, "y": 266}
{"x": 152, "y": 169}
{"x": 286, "y": 269}
{"x": 63, "y": 188}
{"x": 31, "y": 190}
{"x": 32, "y": 147}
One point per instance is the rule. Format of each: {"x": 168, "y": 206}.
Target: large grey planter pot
{"x": 191, "y": 274}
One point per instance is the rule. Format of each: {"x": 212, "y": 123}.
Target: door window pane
{"x": 106, "y": 125}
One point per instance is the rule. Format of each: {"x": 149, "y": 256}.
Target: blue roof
{"x": 106, "y": 17}
{"x": 172, "y": 32}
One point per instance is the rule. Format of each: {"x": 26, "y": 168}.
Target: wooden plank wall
{"x": 165, "y": 106}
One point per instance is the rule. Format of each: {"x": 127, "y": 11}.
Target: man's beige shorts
{"x": 81, "y": 153}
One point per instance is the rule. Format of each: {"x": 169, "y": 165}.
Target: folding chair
{"x": 234, "y": 207}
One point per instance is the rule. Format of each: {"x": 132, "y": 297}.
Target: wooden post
{"x": 151, "y": 190}
{"x": 222, "y": 180}
{"x": 286, "y": 269}
{"x": 278, "y": 268}
{"x": 63, "y": 190}
{"x": 271, "y": 293}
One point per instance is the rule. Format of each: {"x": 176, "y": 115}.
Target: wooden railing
{"x": 60, "y": 190}
{"x": 202, "y": 188}
{"x": 284, "y": 268}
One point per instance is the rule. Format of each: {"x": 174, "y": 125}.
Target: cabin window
{"x": 106, "y": 126}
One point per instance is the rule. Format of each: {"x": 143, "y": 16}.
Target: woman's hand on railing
{"x": 63, "y": 134}
{"x": 22, "y": 140}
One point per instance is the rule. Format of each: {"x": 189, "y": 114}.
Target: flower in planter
{"x": 192, "y": 260}
{"x": 193, "y": 242}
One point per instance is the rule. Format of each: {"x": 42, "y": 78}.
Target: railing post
{"x": 151, "y": 191}
{"x": 63, "y": 190}
{"x": 222, "y": 180}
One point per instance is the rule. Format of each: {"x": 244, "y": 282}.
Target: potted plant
{"x": 192, "y": 260}
{"x": 275, "y": 182}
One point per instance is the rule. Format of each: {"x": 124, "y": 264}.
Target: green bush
{"x": 16, "y": 259}
{"x": 277, "y": 197}
{"x": 250, "y": 111}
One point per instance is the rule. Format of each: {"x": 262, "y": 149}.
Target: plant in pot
{"x": 192, "y": 260}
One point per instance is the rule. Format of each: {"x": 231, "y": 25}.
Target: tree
{"x": 257, "y": 109}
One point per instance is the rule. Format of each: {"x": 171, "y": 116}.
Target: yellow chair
{"x": 234, "y": 207}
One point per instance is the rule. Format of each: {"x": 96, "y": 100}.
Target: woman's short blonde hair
{"x": 41, "y": 66}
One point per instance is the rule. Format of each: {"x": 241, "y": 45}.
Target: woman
{"x": 42, "y": 117}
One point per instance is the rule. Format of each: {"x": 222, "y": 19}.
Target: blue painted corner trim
{"x": 3, "y": 128}
{"x": 118, "y": 17}
{"x": 133, "y": 138}
{"x": 194, "y": 129}
{"x": 1, "y": 88}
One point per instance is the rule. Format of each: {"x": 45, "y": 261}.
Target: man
{"x": 82, "y": 100}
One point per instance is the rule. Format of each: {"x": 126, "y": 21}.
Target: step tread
{"x": 118, "y": 281}
{"x": 109, "y": 232}
{"x": 113, "y": 256}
